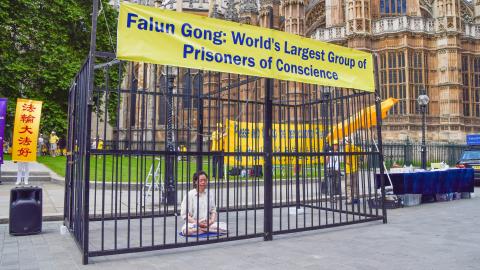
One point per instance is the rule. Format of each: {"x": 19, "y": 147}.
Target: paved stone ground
{"x": 38, "y": 172}
{"x": 9, "y": 165}
{"x": 161, "y": 231}
{"x": 444, "y": 235}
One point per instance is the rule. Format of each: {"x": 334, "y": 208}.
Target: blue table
{"x": 431, "y": 182}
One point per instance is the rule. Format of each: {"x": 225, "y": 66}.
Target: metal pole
{"x": 424, "y": 147}
{"x": 267, "y": 137}
{"x": 67, "y": 205}
{"x": 324, "y": 110}
{"x": 297, "y": 165}
{"x": 379, "y": 135}
{"x": 86, "y": 191}
{"x": 93, "y": 48}
{"x": 169, "y": 160}
{"x": 200, "y": 122}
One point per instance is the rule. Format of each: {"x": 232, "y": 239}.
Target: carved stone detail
{"x": 316, "y": 14}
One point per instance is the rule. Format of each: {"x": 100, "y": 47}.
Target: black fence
{"x": 77, "y": 184}
{"x": 409, "y": 153}
{"x": 406, "y": 153}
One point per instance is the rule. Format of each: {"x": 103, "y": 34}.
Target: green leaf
{"x": 42, "y": 47}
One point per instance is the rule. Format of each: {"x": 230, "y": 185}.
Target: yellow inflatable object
{"x": 363, "y": 119}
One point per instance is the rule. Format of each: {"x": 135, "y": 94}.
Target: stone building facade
{"x": 420, "y": 45}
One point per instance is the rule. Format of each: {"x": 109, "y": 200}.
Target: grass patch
{"x": 56, "y": 164}
{"x": 137, "y": 168}
{"x": 134, "y": 169}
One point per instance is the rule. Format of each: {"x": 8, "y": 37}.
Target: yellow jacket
{"x": 351, "y": 161}
{"x": 100, "y": 145}
{"x": 218, "y": 142}
{"x": 53, "y": 139}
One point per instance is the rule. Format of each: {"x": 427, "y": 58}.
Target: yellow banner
{"x": 25, "y": 130}
{"x": 243, "y": 137}
{"x": 153, "y": 35}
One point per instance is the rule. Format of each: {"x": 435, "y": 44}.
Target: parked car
{"x": 470, "y": 158}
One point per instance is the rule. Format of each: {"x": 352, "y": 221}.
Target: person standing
{"x": 94, "y": 143}
{"x": 218, "y": 146}
{"x": 40, "y": 144}
{"x": 61, "y": 145}
{"x": 100, "y": 144}
{"x": 53, "y": 143}
{"x": 44, "y": 150}
{"x": 6, "y": 147}
{"x": 351, "y": 168}
{"x": 333, "y": 171}
{"x": 23, "y": 173}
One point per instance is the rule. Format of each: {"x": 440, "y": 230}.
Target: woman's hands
{"x": 203, "y": 224}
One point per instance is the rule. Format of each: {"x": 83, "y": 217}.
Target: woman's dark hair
{"x": 196, "y": 176}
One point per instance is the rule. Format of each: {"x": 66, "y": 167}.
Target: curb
{"x": 45, "y": 218}
{"x": 11, "y": 177}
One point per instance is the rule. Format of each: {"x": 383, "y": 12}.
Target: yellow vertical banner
{"x": 25, "y": 130}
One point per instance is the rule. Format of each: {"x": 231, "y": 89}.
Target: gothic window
{"x": 402, "y": 85}
{"x": 393, "y": 7}
{"x": 476, "y": 86}
{"x": 351, "y": 15}
{"x": 197, "y": 88}
{"x": 358, "y": 9}
{"x": 466, "y": 85}
{"x": 418, "y": 71}
{"x": 187, "y": 90}
{"x": 393, "y": 80}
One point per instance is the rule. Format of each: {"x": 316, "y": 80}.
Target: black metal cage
{"x": 268, "y": 146}
{"x": 279, "y": 156}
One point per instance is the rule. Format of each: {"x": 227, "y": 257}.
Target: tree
{"x": 42, "y": 46}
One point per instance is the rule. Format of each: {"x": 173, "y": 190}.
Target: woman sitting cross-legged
{"x": 198, "y": 209}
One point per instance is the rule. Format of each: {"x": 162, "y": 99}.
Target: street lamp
{"x": 170, "y": 137}
{"x": 326, "y": 93}
{"x": 423, "y": 100}
{"x": 325, "y": 97}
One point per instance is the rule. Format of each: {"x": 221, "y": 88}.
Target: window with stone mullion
{"x": 417, "y": 83}
{"x": 476, "y": 86}
{"x": 394, "y": 80}
{"x": 426, "y": 81}
{"x": 393, "y": 7}
{"x": 402, "y": 84}
{"x": 466, "y": 85}
{"x": 383, "y": 74}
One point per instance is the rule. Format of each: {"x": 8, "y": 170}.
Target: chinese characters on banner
{"x": 25, "y": 130}
{"x": 3, "y": 113}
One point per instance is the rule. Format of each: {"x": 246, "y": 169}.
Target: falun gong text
{"x": 153, "y": 35}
